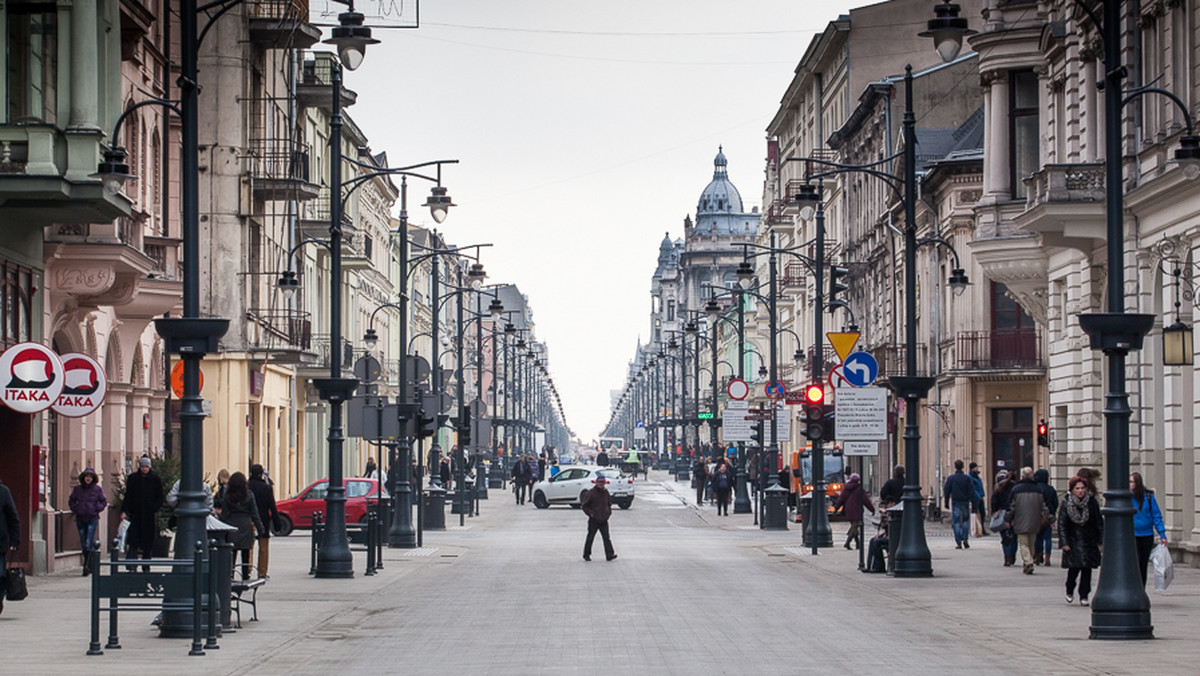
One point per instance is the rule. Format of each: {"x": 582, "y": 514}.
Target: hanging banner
{"x": 84, "y": 386}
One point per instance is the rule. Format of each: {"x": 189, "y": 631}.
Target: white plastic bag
{"x": 121, "y": 532}
{"x": 1164, "y": 569}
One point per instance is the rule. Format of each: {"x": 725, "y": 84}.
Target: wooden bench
{"x": 237, "y": 597}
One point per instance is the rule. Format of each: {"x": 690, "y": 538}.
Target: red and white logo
{"x": 84, "y": 386}
{"x": 32, "y": 377}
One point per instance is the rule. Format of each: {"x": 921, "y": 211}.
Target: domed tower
{"x": 720, "y": 197}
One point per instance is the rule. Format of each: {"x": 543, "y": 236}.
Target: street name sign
{"x": 861, "y": 413}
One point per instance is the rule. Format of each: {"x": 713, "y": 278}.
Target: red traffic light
{"x": 1042, "y": 429}
{"x": 814, "y": 394}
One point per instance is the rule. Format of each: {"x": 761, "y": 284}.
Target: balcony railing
{"x": 279, "y": 158}
{"x": 794, "y": 274}
{"x": 288, "y": 330}
{"x": 891, "y": 359}
{"x": 1001, "y": 349}
{"x": 1057, "y": 183}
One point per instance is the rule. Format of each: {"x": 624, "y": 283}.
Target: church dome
{"x": 720, "y": 197}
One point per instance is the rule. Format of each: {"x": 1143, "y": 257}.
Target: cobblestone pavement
{"x": 692, "y": 593}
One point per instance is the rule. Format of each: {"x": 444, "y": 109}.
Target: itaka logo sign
{"x": 32, "y": 377}
{"x": 84, "y": 386}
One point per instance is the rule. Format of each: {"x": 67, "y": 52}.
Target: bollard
{"x": 372, "y": 517}
{"x": 435, "y": 509}
{"x": 197, "y": 593}
{"x": 214, "y": 601}
{"x": 315, "y": 542}
{"x": 895, "y": 519}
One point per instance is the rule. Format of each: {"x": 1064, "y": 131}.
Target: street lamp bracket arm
{"x": 933, "y": 239}
{"x": 1138, "y": 92}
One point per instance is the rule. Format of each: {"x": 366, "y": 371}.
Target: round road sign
{"x": 737, "y": 389}
{"x": 177, "y": 379}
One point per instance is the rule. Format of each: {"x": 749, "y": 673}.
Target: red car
{"x": 297, "y": 512}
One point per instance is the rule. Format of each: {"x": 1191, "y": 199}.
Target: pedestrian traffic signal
{"x": 836, "y": 286}
{"x": 1043, "y": 434}
{"x": 814, "y": 412}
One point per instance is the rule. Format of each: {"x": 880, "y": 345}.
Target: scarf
{"x": 1077, "y": 508}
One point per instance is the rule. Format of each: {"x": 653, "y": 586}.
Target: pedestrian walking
{"x": 700, "y": 477}
{"x": 978, "y": 506}
{"x": 1000, "y": 496}
{"x": 1080, "y": 534}
{"x": 88, "y": 502}
{"x": 850, "y": 502}
{"x": 959, "y": 493}
{"x": 602, "y": 458}
{"x": 1027, "y": 514}
{"x": 143, "y": 498}
{"x": 520, "y": 479}
{"x": 722, "y": 487}
{"x": 597, "y": 505}
{"x": 264, "y": 499}
{"x": 370, "y": 471}
{"x": 219, "y": 496}
{"x": 1146, "y": 520}
{"x": 241, "y": 511}
{"x": 1044, "y": 543}
{"x": 10, "y": 536}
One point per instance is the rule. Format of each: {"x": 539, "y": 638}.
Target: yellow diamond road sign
{"x": 842, "y": 343}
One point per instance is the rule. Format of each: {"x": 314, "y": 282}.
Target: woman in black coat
{"x": 241, "y": 511}
{"x": 1080, "y": 534}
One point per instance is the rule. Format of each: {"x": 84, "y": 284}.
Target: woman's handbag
{"x": 15, "y": 587}
{"x": 997, "y": 522}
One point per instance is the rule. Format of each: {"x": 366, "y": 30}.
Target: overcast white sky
{"x": 585, "y": 132}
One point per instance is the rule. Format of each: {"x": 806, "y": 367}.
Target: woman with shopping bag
{"x": 1146, "y": 520}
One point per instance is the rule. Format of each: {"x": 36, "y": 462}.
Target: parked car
{"x": 297, "y": 512}
{"x": 573, "y": 481}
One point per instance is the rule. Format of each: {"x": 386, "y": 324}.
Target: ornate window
{"x": 32, "y": 73}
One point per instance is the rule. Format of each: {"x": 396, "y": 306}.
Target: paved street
{"x": 692, "y": 593}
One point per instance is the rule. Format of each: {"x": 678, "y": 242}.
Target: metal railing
{"x": 998, "y": 350}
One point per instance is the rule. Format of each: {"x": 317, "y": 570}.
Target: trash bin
{"x": 895, "y": 519}
{"x": 775, "y": 497}
{"x": 683, "y": 472}
{"x": 435, "y": 508}
{"x": 222, "y": 567}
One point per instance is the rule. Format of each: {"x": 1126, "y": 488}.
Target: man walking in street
{"x": 1027, "y": 513}
{"x": 143, "y": 498}
{"x": 959, "y": 495}
{"x": 700, "y": 475}
{"x": 597, "y": 504}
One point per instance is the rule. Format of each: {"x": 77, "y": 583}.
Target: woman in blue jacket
{"x": 1146, "y": 520}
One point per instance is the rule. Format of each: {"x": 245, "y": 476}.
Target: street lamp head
{"x": 1188, "y": 156}
{"x": 509, "y": 329}
{"x": 947, "y": 30}
{"x": 476, "y": 275}
{"x": 808, "y": 199}
{"x": 745, "y": 274}
{"x": 799, "y": 356}
{"x": 496, "y": 309}
{"x": 439, "y": 203}
{"x": 288, "y": 284}
{"x": 113, "y": 171}
{"x": 762, "y": 372}
{"x": 371, "y": 339}
{"x": 713, "y": 310}
{"x": 673, "y": 345}
{"x": 959, "y": 281}
{"x": 351, "y": 38}
{"x": 691, "y": 327}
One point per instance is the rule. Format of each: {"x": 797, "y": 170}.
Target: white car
{"x": 573, "y": 481}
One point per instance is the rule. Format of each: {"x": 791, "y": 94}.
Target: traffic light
{"x": 830, "y": 422}
{"x": 836, "y": 286}
{"x": 1043, "y": 434}
{"x": 756, "y": 434}
{"x": 427, "y": 424}
{"x": 814, "y": 412}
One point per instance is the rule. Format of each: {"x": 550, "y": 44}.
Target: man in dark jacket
{"x": 143, "y": 498}
{"x": 1044, "y": 543}
{"x": 1026, "y": 514}
{"x": 851, "y": 501}
{"x": 597, "y": 504}
{"x": 893, "y": 489}
{"x": 264, "y": 499}
{"x": 958, "y": 494}
{"x": 10, "y": 535}
{"x": 700, "y": 474}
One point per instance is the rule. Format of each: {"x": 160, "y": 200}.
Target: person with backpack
{"x": 722, "y": 485}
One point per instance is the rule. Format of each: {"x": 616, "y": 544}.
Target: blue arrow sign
{"x": 860, "y": 369}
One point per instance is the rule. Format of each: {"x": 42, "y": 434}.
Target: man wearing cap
{"x": 143, "y": 498}
{"x": 597, "y": 504}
